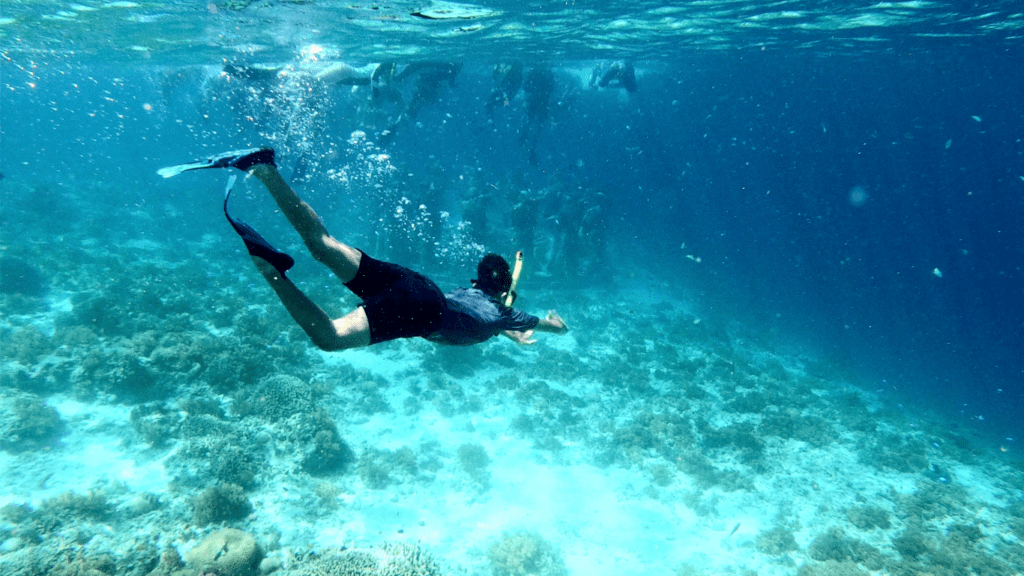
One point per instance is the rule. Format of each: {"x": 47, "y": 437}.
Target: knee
{"x": 327, "y": 346}
{"x": 329, "y": 342}
{"x": 321, "y": 248}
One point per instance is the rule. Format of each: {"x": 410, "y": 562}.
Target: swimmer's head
{"x": 493, "y": 275}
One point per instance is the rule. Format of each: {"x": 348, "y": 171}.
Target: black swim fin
{"x": 241, "y": 159}
{"x": 255, "y": 243}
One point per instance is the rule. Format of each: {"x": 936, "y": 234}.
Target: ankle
{"x": 262, "y": 171}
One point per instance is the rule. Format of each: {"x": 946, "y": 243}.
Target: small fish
{"x": 976, "y": 118}
{"x": 937, "y": 272}
{"x": 734, "y": 529}
{"x": 949, "y": 143}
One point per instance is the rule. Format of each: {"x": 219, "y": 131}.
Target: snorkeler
{"x": 397, "y": 302}
{"x": 508, "y": 79}
{"x": 539, "y": 84}
{"x": 618, "y": 74}
{"x": 430, "y": 78}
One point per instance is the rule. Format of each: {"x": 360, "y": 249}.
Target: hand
{"x": 557, "y": 323}
{"x": 524, "y": 338}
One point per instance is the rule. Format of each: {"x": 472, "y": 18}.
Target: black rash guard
{"x": 472, "y": 317}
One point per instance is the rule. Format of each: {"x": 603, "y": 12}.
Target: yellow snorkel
{"x": 510, "y": 296}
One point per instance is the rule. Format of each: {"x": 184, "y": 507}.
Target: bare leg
{"x": 342, "y": 259}
{"x": 349, "y": 331}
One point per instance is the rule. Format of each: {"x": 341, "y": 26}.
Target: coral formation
{"x": 387, "y": 559}
{"x": 776, "y": 541}
{"x": 525, "y": 554}
{"x": 227, "y": 552}
{"x": 836, "y": 545}
{"x": 376, "y": 466}
{"x": 93, "y": 505}
{"x": 474, "y": 461}
{"x": 155, "y": 423}
{"x": 329, "y": 452}
{"x": 738, "y": 436}
{"x": 899, "y": 453}
{"x": 27, "y": 422}
{"x": 279, "y": 396}
{"x": 831, "y": 568}
{"x": 220, "y": 503}
{"x": 868, "y": 517}
{"x": 26, "y": 345}
{"x": 790, "y": 424}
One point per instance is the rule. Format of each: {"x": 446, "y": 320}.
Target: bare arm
{"x": 553, "y": 323}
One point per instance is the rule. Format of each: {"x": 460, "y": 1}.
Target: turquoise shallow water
{"x": 184, "y": 33}
{"x": 790, "y": 261}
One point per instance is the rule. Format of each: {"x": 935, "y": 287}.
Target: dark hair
{"x": 493, "y": 275}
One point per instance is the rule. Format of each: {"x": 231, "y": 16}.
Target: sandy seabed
{"x": 141, "y": 417}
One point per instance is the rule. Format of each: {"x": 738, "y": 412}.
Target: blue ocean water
{"x": 841, "y": 187}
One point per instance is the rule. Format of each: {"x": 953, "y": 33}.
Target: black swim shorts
{"x": 399, "y": 302}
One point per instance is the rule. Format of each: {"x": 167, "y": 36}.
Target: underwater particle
{"x": 937, "y": 273}
{"x": 858, "y": 196}
{"x": 949, "y": 143}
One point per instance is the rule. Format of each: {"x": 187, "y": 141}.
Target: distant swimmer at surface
{"x": 431, "y": 77}
{"x": 396, "y": 301}
{"x": 538, "y": 86}
{"x": 508, "y": 78}
{"x": 618, "y": 74}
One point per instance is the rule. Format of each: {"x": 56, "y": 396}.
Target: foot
{"x": 255, "y": 243}
{"x": 260, "y": 248}
{"x": 241, "y": 159}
